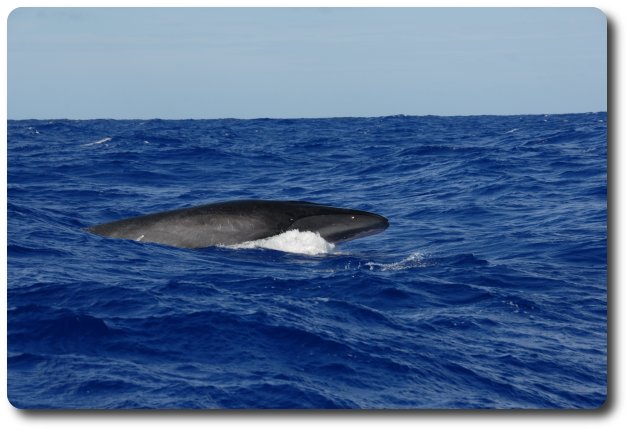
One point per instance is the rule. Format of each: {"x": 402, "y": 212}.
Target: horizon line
{"x": 298, "y": 118}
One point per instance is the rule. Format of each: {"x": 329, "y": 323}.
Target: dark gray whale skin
{"x": 233, "y": 222}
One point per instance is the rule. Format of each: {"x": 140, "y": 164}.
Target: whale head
{"x": 337, "y": 225}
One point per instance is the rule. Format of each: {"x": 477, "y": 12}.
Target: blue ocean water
{"x": 488, "y": 290}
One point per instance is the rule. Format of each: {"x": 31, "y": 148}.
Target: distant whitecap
{"x": 101, "y": 141}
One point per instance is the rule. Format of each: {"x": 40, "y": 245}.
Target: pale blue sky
{"x": 247, "y": 63}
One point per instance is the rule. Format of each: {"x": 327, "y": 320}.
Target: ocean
{"x": 488, "y": 290}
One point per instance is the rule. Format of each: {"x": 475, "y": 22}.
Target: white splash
{"x": 302, "y": 242}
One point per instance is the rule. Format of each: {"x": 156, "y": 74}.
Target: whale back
{"x": 224, "y": 223}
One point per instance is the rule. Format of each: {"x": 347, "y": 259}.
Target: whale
{"x": 233, "y": 222}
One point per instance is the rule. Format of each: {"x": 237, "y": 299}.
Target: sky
{"x": 173, "y": 63}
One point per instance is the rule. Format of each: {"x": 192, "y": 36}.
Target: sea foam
{"x": 415, "y": 260}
